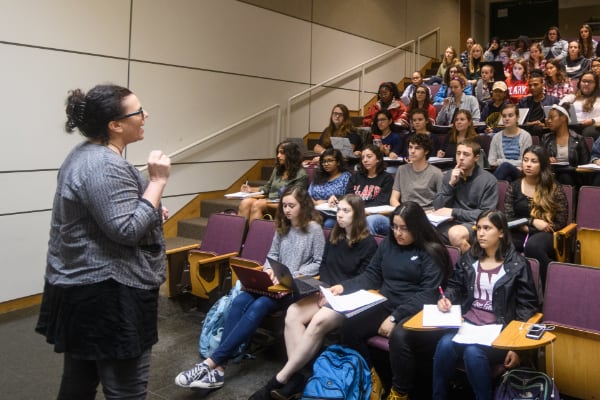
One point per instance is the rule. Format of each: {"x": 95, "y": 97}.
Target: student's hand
{"x": 165, "y": 213}
{"x": 393, "y": 155}
{"x": 245, "y": 188}
{"x": 542, "y": 225}
{"x": 444, "y": 304}
{"x": 455, "y": 175}
{"x": 386, "y": 327}
{"x": 332, "y": 201}
{"x": 322, "y": 300}
{"x": 336, "y": 290}
{"x": 441, "y": 153}
{"x": 553, "y": 159}
{"x": 272, "y": 276}
{"x": 443, "y": 212}
{"x": 511, "y": 360}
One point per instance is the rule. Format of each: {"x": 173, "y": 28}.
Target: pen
{"x": 246, "y": 182}
{"x": 441, "y": 292}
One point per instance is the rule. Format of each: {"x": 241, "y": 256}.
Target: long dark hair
{"x": 471, "y": 133}
{"x": 307, "y": 210}
{"x": 392, "y": 87}
{"x": 459, "y": 71}
{"x": 424, "y": 236}
{"x": 546, "y": 41}
{"x": 344, "y": 129}
{"x": 293, "y": 159}
{"x": 380, "y": 163}
{"x": 498, "y": 219}
{"x": 360, "y": 229}
{"x": 421, "y": 111}
{"x": 90, "y": 113}
{"x": 320, "y": 175}
{"x": 375, "y": 127}
{"x": 415, "y": 104}
{"x": 543, "y": 206}
{"x": 561, "y": 74}
{"x": 586, "y": 45}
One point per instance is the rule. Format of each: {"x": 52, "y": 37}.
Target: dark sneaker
{"x": 264, "y": 393}
{"x": 212, "y": 380}
{"x": 185, "y": 378}
{"x": 291, "y": 390}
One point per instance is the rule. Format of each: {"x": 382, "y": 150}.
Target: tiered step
{"x": 433, "y": 69}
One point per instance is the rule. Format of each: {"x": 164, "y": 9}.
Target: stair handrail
{"x": 360, "y": 82}
{"x": 225, "y": 129}
{"x": 437, "y": 43}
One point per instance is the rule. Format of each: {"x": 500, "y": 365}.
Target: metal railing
{"x": 435, "y": 31}
{"x": 182, "y": 150}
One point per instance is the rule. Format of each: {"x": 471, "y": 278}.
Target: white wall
{"x": 197, "y": 66}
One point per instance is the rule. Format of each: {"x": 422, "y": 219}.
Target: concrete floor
{"x": 29, "y": 369}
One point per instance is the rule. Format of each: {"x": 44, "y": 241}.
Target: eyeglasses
{"x": 421, "y": 92}
{"x": 337, "y": 114}
{"x": 382, "y": 119}
{"x": 586, "y": 82}
{"x": 399, "y": 228}
{"x": 328, "y": 161}
{"x": 140, "y": 111}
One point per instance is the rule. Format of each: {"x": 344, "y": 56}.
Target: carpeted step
{"x": 211, "y": 206}
{"x": 192, "y": 228}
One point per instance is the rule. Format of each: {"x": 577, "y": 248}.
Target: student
{"x": 553, "y": 47}
{"x": 507, "y": 146}
{"x": 564, "y": 145}
{"x": 340, "y": 125}
{"x": 391, "y": 142}
{"x": 483, "y": 87}
{"x": 466, "y": 191}
{"x": 517, "y": 81}
{"x": 421, "y": 124}
{"x": 473, "y": 68}
{"x": 408, "y": 267}
{"x": 539, "y": 198}
{"x": 521, "y": 50}
{"x": 536, "y": 58}
{"x": 421, "y": 99}
{"x": 348, "y": 251}
{"x": 535, "y": 121}
{"x": 457, "y": 100}
{"x": 450, "y": 59}
{"x": 106, "y": 253}
{"x": 373, "y": 185}
{"x": 462, "y": 129}
{"x": 493, "y": 285}
{"x": 330, "y": 182}
{"x": 388, "y": 99}
{"x": 586, "y": 41}
{"x": 416, "y": 81}
{"x": 491, "y": 110}
{"x": 444, "y": 92}
{"x": 575, "y": 63}
{"x": 287, "y": 172}
{"x": 493, "y": 51}
{"x": 595, "y": 66}
{"x": 557, "y": 83}
{"x": 299, "y": 244}
{"x": 417, "y": 180}
{"x": 464, "y": 56}
{"x": 587, "y": 104}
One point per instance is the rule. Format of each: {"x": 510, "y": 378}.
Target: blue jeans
{"x": 246, "y": 314}
{"x": 378, "y": 224}
{"x": 507, "y": 172}
{"x": 477, "y": 361}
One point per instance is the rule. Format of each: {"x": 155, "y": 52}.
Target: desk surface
{"x": 511, "y": 338}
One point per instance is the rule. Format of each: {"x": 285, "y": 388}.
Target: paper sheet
{"x": 432, "y": 316}
{"x": 477, "y": 334}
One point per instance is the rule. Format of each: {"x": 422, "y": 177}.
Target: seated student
{"x": 586, "y": 41}
{"x": 492, "y": 108}
{"x": 595, "y": 67}
{"x": 408, "y": 267}
{"x": 330, "y": 182}
{"x": 462, "y": 129}
{"x": 340, "y": 125}
{"x": 466, "y": 191}
{"x": 450, "y": 59}
{"x": 444, "y": 92}
{"x": 564, "y": 145}
{"x": 421, "y": 124}
{"x": 540, "y": 199}
{"x": 373, "y": 185}
{"x": 417, "y": 180}
{"x": 554, "y": 47}
{"x": 587, "y": 103}
{"x": 287, "y": 172}
{"x": 483, "y": 87}
{"x": 421, "y": 99}
{"x": 493, "y": 285}
{"x": 536, "y": 58}
{"x": 348, "y": 251}
{"x": 464, "y": 56}
{"x": 517, "y": 81}
{"x": 535, "y": 121}
{"x": 299, "y": 244}
{"x": 557, "y": 83}
{"x": 493, "y": 51}
{"x": 507, "y": 146}
{"x": 575, "y": 63}
{"x": 521, "y": 50}
{"x": 388, "y": 99}
{"x": 457, "y": 101}
{"x": 391, "y": 142}
{"x": 416, "y": 81}
{"x": 473, "y": 68}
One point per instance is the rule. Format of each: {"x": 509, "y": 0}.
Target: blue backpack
{"x": 212, "y": 327}
{"x": 339, "y": 373}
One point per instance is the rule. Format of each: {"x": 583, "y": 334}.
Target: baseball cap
{"x": 500, "y": 86}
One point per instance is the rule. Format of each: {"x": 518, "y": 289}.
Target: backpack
{"x": 339, "y": 373}
{"x": 212, "y": 327}
{"x": 526, "y": 384}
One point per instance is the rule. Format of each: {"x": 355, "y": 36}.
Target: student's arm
{"x": 395, "y": 198}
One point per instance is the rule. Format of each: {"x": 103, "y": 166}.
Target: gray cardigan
{"x": 496, "y": 156}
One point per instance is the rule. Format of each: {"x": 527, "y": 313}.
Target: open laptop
{"x": 256, "y": 281}
{"x": 303, "y": 149}
{"x": 343, "y": 145}
{"x": 301, "y": 287}
{"x": 522, "y": 115}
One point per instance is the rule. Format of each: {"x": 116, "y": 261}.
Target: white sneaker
{"x": 212, "y": 380}
{"x": 186, "y": 378}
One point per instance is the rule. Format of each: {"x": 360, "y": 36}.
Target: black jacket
{"x": 514, "y": 295}
{"x": 578, "y": 151}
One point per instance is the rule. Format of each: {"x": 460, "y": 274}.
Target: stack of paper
{"x": 432, "y": 316}
{"x": 379, "y": 209}
{"x": 354, "y": 303}
{"x": 243, "y": 195}
{"x": 435, "y": 220}
{"x": 477, "y": 334}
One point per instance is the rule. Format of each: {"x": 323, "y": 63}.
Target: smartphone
{"x": 535, "y": 331}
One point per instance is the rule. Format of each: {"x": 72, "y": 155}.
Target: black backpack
{"x": 526, "y": 384}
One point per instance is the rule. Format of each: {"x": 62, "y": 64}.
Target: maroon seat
{"x": 502, "y": 188}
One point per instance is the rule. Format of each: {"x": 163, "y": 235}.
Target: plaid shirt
{"x": 559, "y": 90}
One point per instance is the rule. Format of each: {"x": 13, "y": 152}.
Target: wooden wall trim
{"x": 18, "y": 304}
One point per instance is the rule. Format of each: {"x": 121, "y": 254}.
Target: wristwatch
{"x": 392, "y": 319}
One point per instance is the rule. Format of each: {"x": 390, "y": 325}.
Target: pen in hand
{"x": 443, "y": 304}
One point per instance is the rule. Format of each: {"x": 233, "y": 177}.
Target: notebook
{"x": 343, "y": 145}
{"x": 301, "y": 287}
{"x": 522, "y": 115}
{"x": 257, "y": 281}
